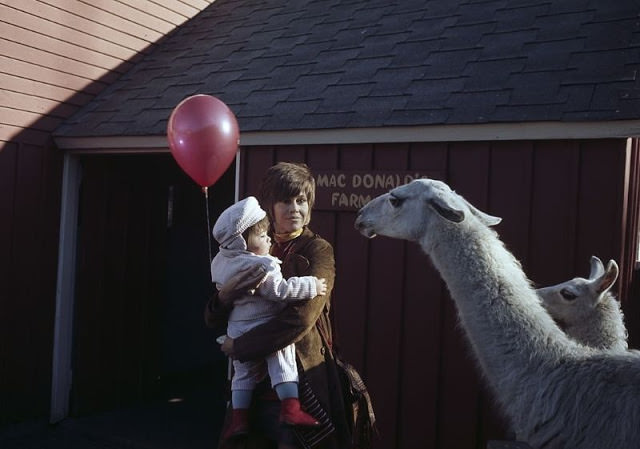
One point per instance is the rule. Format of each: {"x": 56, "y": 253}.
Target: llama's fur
{"x": 556, "y": 392}
{"x": 586, "y": 309}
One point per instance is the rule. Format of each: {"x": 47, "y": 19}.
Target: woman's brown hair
{"x": 285, "y": 180}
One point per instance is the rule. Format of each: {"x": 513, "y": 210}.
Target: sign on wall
{"x": 350, "y": 190}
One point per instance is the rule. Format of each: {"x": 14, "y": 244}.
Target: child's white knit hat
{"x": 236, "y": 219}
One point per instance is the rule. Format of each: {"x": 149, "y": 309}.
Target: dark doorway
{"x": 142, "y": 282}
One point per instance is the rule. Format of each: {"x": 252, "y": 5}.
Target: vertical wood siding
{"x": 561, "y": 202}
{"x": 631, "y": 290}
{"x": 29, "y": 211}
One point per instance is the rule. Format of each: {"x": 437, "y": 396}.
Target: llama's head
{"x": 570, "y": 302}
{"x": 408, "y": 211}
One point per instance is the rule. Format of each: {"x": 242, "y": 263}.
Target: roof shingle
{"x": 323, "y": 64}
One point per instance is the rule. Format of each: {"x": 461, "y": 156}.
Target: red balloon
{"x": 203, "y": 137}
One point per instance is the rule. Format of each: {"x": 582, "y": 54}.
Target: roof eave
{"x": 437, "y": 133}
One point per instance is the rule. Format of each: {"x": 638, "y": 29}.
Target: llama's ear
{"x": 597, "y": 268}
{"x": 485, "y": 218}
{"x": 609, "y": 277}
{"x": 443, "y": 208}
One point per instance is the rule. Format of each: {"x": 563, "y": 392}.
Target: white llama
{"x": 586, "y": 310}
{"x": 556, "y": 392}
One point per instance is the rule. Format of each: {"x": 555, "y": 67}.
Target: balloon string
{"x": 205, "y": 190}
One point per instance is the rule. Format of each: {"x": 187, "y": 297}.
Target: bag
{"x": 358, "y": 402}
{"x": 356, "y": 397}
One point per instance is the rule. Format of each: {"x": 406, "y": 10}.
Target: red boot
{"x": 239, "y": 423}
{"x": 292, "y": 414}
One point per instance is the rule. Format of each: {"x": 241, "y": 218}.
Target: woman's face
{"x": 291, "y": 214}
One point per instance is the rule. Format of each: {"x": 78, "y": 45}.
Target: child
{"x": 241, "y": 231}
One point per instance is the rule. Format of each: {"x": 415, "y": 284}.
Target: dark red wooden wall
{"x": 561, "y": 202}
{"x": 142, "y": 279}
{"x": 29, "y": 220}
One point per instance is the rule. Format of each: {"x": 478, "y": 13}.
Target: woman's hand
{"x": 241, "y": 283}
{"x": 227, "y": 347}
{"x": 321, "y": 286}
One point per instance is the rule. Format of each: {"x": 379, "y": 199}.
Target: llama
{"x": 556, "y": 392}
{"x": 586, "y": 310}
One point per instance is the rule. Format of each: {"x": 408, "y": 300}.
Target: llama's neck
{"x": 512, "y": 335}
{"x": 603, "y": 328}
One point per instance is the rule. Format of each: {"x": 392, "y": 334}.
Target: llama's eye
{"x": 395, "y": 202}
{"x": 568, "y": 295}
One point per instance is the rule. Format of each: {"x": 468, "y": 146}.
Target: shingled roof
{"x": 339, "y": 64}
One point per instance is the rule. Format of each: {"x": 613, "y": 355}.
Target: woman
{"x": 287, "y": 193}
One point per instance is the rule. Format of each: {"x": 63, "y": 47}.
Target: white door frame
{"x": 61, "y": 376}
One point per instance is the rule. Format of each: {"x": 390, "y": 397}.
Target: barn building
{"x": 529, "y": 109}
